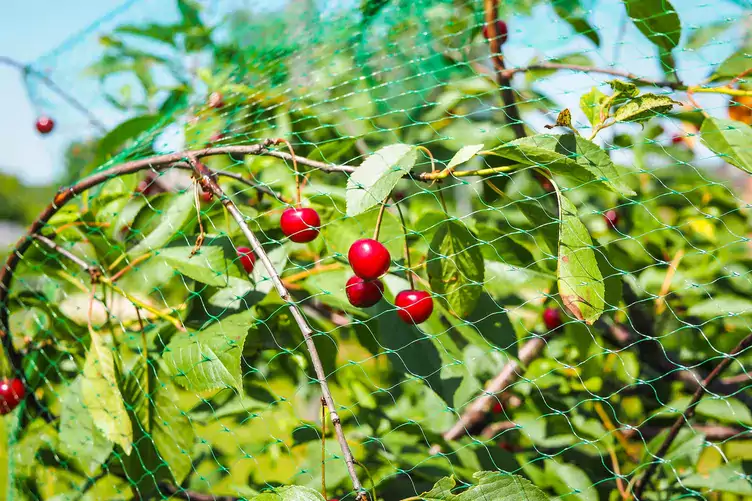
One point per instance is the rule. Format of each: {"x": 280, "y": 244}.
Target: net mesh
{"x": 585, "y": 280}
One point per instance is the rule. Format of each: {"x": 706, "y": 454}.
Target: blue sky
{"x": 61, "y": 37}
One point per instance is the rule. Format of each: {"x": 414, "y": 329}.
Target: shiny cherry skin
{"x": 414, "y": 306}
{"x": 247, "y": 259}
{"x": 368, "y": 258}
{"x": 45, "y": 124}
{"x": 12, "y": 391}
{"x": 612, "y": 219}
{"x": 502, "y": 32}
{"x": 552, "y": 318}
{"x": 300, "y": 224}
{"x": 364, "y": 293}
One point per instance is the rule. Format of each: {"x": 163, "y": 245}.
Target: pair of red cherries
{"x": 369, "y": 260}
{"x": 300, "y": 225}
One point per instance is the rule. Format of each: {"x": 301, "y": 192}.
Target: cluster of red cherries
{"x": 369, "y": 260}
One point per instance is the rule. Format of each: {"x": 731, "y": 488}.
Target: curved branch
{"x": 688, "y": 413}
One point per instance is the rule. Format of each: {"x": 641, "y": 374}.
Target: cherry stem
{"x": 410, "y": 277}
{"x": 294, "y": 166}
{"x": 433, "y": 173}
{"x": 380, "y": 218}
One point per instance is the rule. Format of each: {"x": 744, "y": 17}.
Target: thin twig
{"x": 483, "y": 404}
{"x": 380, "y": 218}
{"x": 713, "y": 433}
{"x": 688, "y": 413}
{"x": 507, "y": 95}
{"x": 410, "y": 273}
{"x": 206, "y": 179}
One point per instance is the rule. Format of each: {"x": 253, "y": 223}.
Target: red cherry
{"x": 45, "y": 124}
{"x": 216, "y": 100}
{"x": 247, "y": 259}
{"x": 369, "y": 259}
{"x": 363, "y": 293}
{"x": 206, "y": 197}
{"x": 502, "y": 32}
{"x": 612, "y": 219}
{"x": 12, "y": 391}
{"x": 677, "y": 140}
{"x": 301, "y": 225}
{"x": 215, "y": 138}
{"x": 414, "y": 306}
{"x": 552, "y": 318}
{"x": 497, "y": 408}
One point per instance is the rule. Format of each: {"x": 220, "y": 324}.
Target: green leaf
{"x": 207, "y": 266}
{"x": 290, "y": 493}
{"x": 79, "y": 437}
{"x": 730, "y": 477}
{"x": 101, "y": 394}
{"x": 622, "y": 91}
{"x": 573, "y": 12}
{"x": 657, "y": 20}
{"x": 209, "y": 359}
{"x": 643, "y": 108}
{"x": 160, "y": 32}
{"x": 725, "y": 410}
{"x": 179, "y": 213}
{"x": 465, "y": 154}
{"x": 704, "y": 34}
{"x": 580, "y": 280}
{"x": 111, "y": 143}
{"x": 729, "y": 139}
{"x": 734, "y": 65}
{"x": 455, "y": 267}
{"x": 569, "y": 481}
{"x": 377, "y": 176}
{"x": 570, "y": 156}
{"x": 489, "y": 485}
{"x": 164, "y": 436}
{"x": 721, "y": 306}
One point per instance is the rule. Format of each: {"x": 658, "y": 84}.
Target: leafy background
{"x": 229, "y": 406}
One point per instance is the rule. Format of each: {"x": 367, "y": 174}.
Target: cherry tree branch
{"x": 483, "y": 404}
{"x": 688, "y": 413}
{"x": 206, "y": 179}
{"x": 491, "y": 8}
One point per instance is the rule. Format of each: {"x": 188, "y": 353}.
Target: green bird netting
{"x": 388, "y": 250}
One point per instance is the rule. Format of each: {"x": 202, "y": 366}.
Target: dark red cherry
{"x": 502, "y": 32}
{"x": 552, "y": 318}
{"x": 12, "y": 391}
{"x": 414, "y": 306}
{"x": 45, "y": 124}
{"x": 369, "y": 259}
{"x": 300, "y": 224}
{"x": 497, "y": 408}
{"x": 206, "y": 197}
{"x": 364, "y": 293}
{"x": 612, "y": 219}
{"x": 247, "y": 259}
